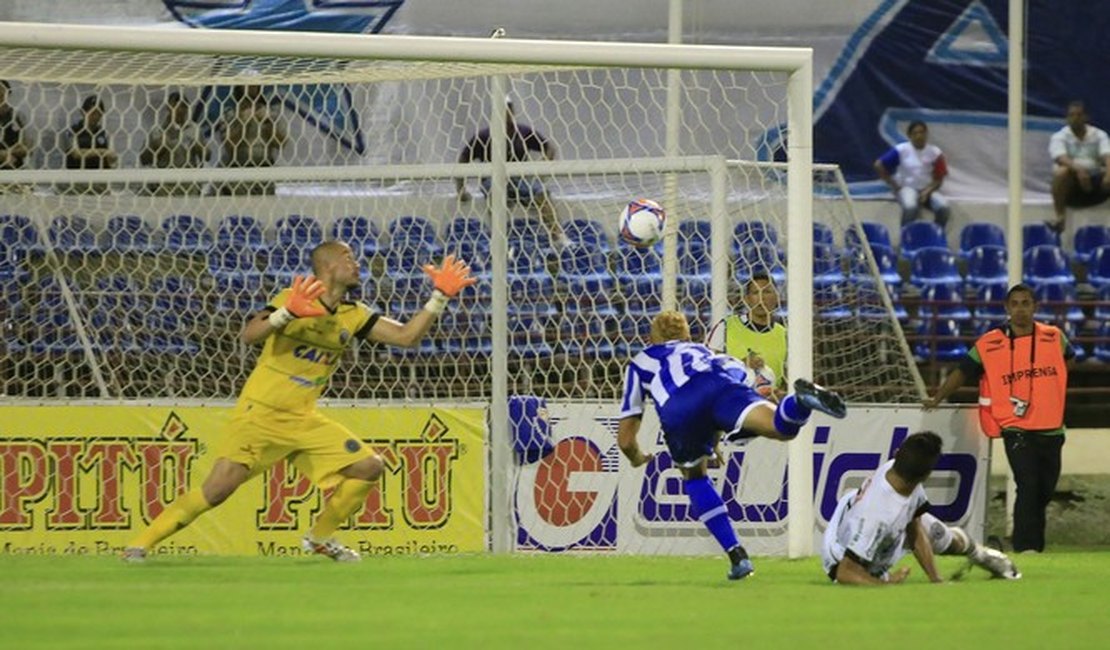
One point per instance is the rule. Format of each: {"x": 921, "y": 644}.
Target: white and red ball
{"x": 642, "y": 222}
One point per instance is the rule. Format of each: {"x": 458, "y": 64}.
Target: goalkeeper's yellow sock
{"x": 178, "y": 515}
{"x": 346, "y": 498}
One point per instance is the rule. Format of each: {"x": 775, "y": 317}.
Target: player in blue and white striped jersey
{"x": 699, "y": 394}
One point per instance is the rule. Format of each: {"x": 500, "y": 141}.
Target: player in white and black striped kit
{"x": 875, "y": 526}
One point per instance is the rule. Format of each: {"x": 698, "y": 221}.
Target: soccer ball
{"x": 642, "y": 223}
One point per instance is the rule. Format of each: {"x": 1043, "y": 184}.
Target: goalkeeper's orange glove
{"x": 301, "y": 302}
{"x": 449, "y": 279}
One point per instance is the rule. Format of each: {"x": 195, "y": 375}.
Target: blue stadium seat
{"x": 531, "y": 289}
{"x": 870, "y": 303}
{"x": 990, "y": 309}
{"x": 360, "y": 233}
{"x": 466, "y": 233}
{"x": 1046, "y": 264}
{"x": 1102, "y": 309}
{"x": 11, "y": 263}
{"x": 981, "y": 234}
{"x": 585, "y": 279}
{"x": 584, "y": 335}
{"x": 240, "y": 293}
{"x": 918, "y": 235}
{"x": 413, "y": 232}
{"x": 177, "y": 294}
{"x": 466, "y": 333}
{"x": 1088, "y": 238}
{"x": 128, "y": 233}
{"x": 695, "y": 272}
{"x": 830, "y": 302}
{"x": 1071, "y": 330}
{"x": 1038, "y": 234}
{"x": 639, "y": 279}
{"x": 241, "y": 232}
{"x": 694, "y": 233}
{"x": 934, "y": 266}
{"x": 1056, "y": 303}
{"x": 17, "y": 231}
{"x": 298, "y": 231}
{"x": 823, "y": 234}
{"x": 876, "y": 233}
{"x": 232, "y": 262}
{"x": 587, "y": 232}
{"x": 1098, "y": 269}
{"x": 528, "y": 337}
{"x": 941, "y": 342}
{"x": 826, "y": 266}
{"x": 885, "y": 259}
{"x": 759, "y": 257}
{"x": 183, "y": 233}
{"x": 528, "y": 234}
{"x": 72, "y": 234}
{"x": 1102, "y": 348}
{"x": 944, "y": 301}
{"x": 986, "y": 264}
{"x": 633, "y": 332}
{"x": 747, "y": 233}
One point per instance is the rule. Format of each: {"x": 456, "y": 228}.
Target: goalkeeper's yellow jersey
{"x": 297, "y": 361}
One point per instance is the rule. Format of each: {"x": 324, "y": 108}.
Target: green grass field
{"x": 539, "y": 601}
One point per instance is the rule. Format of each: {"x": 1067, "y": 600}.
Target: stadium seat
{"x": 1102, "y": 348}
{"x": 1102, "y": 308}
{"x": 826, "y": 266}
{"x": 944, "y": 301}
{"x": 876, "y": 233}
{"x": 587, "y": 232}
{"x": 127, "y": 233}
{"x": 986, "y": 264}
{"x": 694, "y": 233}
{"x": 11, "y": 263}
{"x": 531, "y": 289}
{"x": 695, "y": 272}
{"x": 887, "y": 262}
{"x": 934, "y": 266}
{"x": 1087, "y": 239}
{"x": 298, "y": 231}
{"x": 1046, "y": 264}
{"x": 918, "y": 235}
{"x": 584, "y": 335}
{"x": 830, "y": 302}
{"x": 870, "y": 303}
{"x": 72, "y": 234}
{"x": 528, "y": 234}
{"x": 240, "y": 232}
{"x": 360, "y": 233}
{"x": 183, "y": 233}
{"x": 1098, "y": 269}
{"x": 823, "y": 234}
{"x": 528, "y": 337}
{"x": 990, "y": 310}
{"x": 1056, "y": 303}
{"x": 759, "y": 257}
{"x": 232, "y": 262}
{"x": 240, "y": 293}
{"x": 585, "y": 279}
{"x": 413, "y": 233}
{"x": 978, "y": 234}
{"x": 1038, "y": 234}
{"x": 940, "y": 342}
{"x": 17, "y": 231}
{"x": 748, "y": 233}
{"x": 633, "y": 332}
{"x": 467, "y": 232}
{"x": 1071, "y": 330}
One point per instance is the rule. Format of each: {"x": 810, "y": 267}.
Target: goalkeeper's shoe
{"x": 995, "y": 562}
{"x": 819, "y": 399}
{"x": 331, "y": 548}
{"x": 134, "y": 554}
{"x": 741, "y": 570}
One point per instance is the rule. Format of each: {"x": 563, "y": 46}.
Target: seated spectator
{"x": 13, "y": 140}
{"x": 174, "y": 144}
{"x": 915, "y": 170}
{"x": 1080, "y": 155}
{"x": 89, "y": 147}
{"x": 527, "y": 192}
{"x": 253, "y": 136}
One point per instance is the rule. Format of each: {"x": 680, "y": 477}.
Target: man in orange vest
{"x": 1023, "y": 378}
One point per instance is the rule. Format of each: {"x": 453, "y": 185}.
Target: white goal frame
{"x": 500, "y": 55}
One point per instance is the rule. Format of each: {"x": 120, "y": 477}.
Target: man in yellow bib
{"x": 1023, "y": 379}
{"x": 304, "y": 331}
{"x": 755, "y": 337}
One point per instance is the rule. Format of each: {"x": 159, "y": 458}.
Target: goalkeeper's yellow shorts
{"x": 258, "y": 437}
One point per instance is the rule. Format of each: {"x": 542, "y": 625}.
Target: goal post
{"x": 548, "y": 322}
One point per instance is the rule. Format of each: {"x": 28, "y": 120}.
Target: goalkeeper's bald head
{"x": 669, "y": 326}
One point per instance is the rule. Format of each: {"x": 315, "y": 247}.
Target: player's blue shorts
{"x": 520, "y": 190}
{"x": 708, "y": 403}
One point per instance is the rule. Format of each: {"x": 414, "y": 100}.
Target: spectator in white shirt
{"x": 915, "y": 170}
{"x": 1080, "y": 155}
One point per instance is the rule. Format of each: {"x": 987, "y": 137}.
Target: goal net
{"x": 157, "y": 190}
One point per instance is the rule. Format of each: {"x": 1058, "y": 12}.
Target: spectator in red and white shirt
{"x": 915, "y": 170}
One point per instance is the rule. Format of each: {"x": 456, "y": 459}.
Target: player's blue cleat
{"x": 741, "y": 570}
{"x": 820, "y": 399}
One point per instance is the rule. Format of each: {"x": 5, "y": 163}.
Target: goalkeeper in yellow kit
{"x": 304, "y": 331}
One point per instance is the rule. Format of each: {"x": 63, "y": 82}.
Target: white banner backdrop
{"x": 583, "y": 496}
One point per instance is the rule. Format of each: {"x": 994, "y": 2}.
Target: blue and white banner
{"x": 583, "y": 496}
